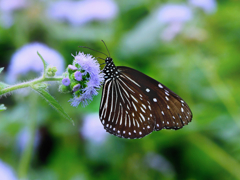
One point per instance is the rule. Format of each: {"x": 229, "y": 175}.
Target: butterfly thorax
{"x": 110, "y": 70}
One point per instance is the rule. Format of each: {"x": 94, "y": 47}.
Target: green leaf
{"x": 45, "y": 64}
{"x": 3, "y": 85}
{"x": 2, "y": 107}
{"x": 53, "y": 102}
{"x": 1, "y": 69}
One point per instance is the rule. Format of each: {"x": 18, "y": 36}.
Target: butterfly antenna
{"x": 92, "y": 50}
{"x": 100, "y": 58}
{"x": 106, "y": 48}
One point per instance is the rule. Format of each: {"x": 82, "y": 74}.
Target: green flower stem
{"x": 29, "y": 84}
{"x": 27, "y": 154}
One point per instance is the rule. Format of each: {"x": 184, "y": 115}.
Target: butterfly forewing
{"x": 133, "y": 104}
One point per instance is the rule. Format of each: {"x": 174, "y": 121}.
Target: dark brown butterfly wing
{"x": 133, "y": 105}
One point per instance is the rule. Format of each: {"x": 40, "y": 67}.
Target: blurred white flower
{"x": 159, "y": 163}
{"x": 6, "y": 9}
{"x": 26, "y": 59}
{"x": 80, "y": 12}
{"x": 208, "y": 6}
{"x": 11, "y": 5}
{"x": 171, "y": 31}
{"x": 6, "y": 172}
{"x": 173, "y": 16}
{"x": 170, "y": 13}
{"x": 23, "y": 139}
{"x": 92, "y": 129}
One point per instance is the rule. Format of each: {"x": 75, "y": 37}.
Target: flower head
{"x": 81, "y": 12}
{"x": 173, "y": 16}
{"x": 209, "y": 6}
{"x": 7, "y": 172}
{"x": 92, "y": 129}
{"x": 7, "y": 8}
{"x": 85, "y": 79}
{"x": 170, "y": 13}
{"x": 26, "y": 60}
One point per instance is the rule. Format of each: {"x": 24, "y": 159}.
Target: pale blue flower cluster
{"x": 170, "y": 13}
{"x": 83, "y": 78}
{"x": 81, "y": 12}
{"x": 26, "y": 59}
{"x": 92, "y": 129}
{"x": 173, "y": 17}
{"x": 208, "y": 6}
{"x": 7, "y": 172}
{"x": 7, "y": 8}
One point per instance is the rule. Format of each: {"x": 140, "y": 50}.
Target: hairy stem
{"x": 28, "y": 84}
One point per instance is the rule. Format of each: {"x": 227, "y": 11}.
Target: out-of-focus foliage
{"x": 190, "y": 46}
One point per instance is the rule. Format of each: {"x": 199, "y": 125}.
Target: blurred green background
{"x": 192, "y": 47}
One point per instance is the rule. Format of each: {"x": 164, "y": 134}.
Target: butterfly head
{"x": 108, "y": 60}
{"x": 110, "y": 70}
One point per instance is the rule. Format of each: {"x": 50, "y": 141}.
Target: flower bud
{"x": 78, "y": 76}
{"x": 64, "y": 89}
{"x": 76, "y": 87}
{"x": 51, "y": 71}
{"x": 66, "y": 81}
{"x": 73, "y": 68}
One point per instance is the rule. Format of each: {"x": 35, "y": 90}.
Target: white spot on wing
{"x": 154, "y": 99}
{"x": 142, "y": 109}
{"x": 159, "y": 85}
{"x": 144, "y": 106}
{"x": 134, "y": 106}
{"x": 142, "y": 116}
{"x": 134, "y": 98}
{"x": 149, "y": 107}
{"x": 166, "y": 93}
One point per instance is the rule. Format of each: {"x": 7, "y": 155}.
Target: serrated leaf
{"x": 53, "y": 102}
{"x": 1, "y": 69}
{"x": 2, "y": 107}
{"x": 3, "y": 85}
{"x": 45, "y": 64}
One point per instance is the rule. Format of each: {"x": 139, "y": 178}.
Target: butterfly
{"x": 134, "y": 105}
